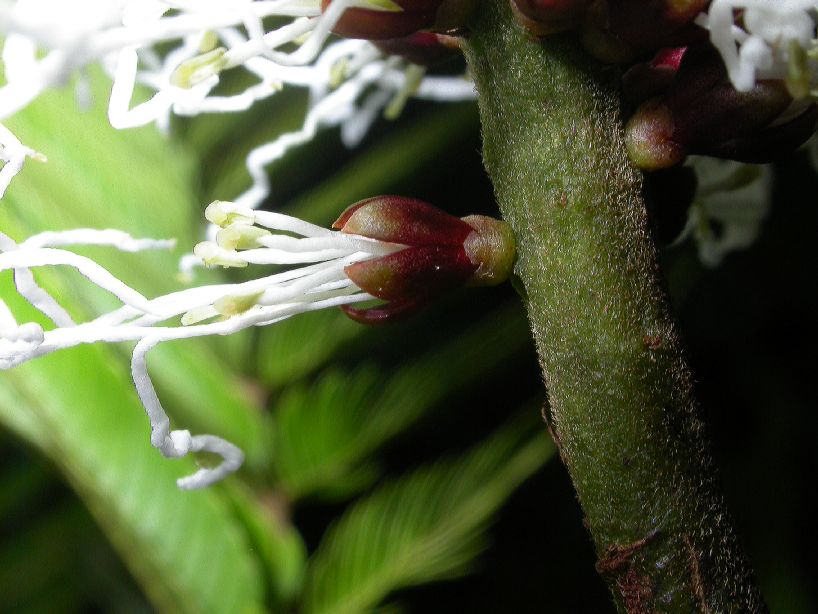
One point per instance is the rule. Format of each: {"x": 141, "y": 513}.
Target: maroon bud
{"x": 413, "y": 272}
{"x": 383, "y": 314}
{"x": 776, "y": 140}
{"x": 648, "y": 79}
{"x": 440, "y": 252}
{"x": 702, "y": 113}
{"x": 408, "y": 221}
{"x": 400, "y": 18}
{"x": 543, "y": 17}
{"x": 424, "y": 48}
{"x": 649, "y": 137}
{"x": 619, "y": 31}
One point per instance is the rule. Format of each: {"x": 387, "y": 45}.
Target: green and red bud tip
{"x": 441, "y": 252}
{"x": 649, "y": 138}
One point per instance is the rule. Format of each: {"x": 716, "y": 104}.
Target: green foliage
{"x": 79, "y": 407}
{"x": 275, "y": 541}
{"x": 315, "y": 425}
{"x": 325, "y": 431}
{"x": 166, "y": 537}
{"x": 424, "y": 527}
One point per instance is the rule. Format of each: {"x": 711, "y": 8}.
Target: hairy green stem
{"x": 621, "y": 405}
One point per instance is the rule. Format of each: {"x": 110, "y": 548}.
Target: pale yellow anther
{"x": 213, "y": 255}
{"x": 233, "y": 305}
{"x": 208, "y": 42}
{"x": 338, "y": 72}
{"x": 195, "y": 70}
{"x": 224, "y": 213}
{"x": 199, "y": 314}
{"x": 240, "y": 236}
{"x": 798, "y": 73}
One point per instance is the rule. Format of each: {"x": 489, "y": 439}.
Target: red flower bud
{"x": 543, "y": 17}
{"x": 702, "y": 113}
{"x": 648, "y": 79}
{"x": 408, "y": 16}
{"x": 622, "y": 30}
{"x": 424, "y": 48}
{"x": 442, "y": 252}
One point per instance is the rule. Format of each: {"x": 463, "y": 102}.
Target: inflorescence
{"x": 218, "y": 309}
{"x": 388, "y": 248}
{"x": 729, "y": 78}
{"x": 176, "y": 50}
{"x": 47, "y": 43}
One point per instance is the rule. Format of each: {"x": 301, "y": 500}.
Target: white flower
{"x": 775, "y": 41}
{"x": 47, "y": 42}
{"x": 177, "y": 49}
{"x": 246, "y": 237}
{"x": 731, "y": 202}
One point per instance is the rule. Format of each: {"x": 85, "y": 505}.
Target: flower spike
{"x": 441, "y": 252}
{"x": 391, "y": 248}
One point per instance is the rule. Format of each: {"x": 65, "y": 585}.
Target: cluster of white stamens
{"x": 175, "y": 50}
{"x": 246, "y": 237}
{"x": 776, "y": 40}
{"x": 47, "y": 42}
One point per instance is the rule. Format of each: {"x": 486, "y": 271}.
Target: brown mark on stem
{"x": 696, "y": 575}
{"x": 634, "y": 588}
{"x": 636, "y": 592}
{"x": 549, "y": 423}
{"x": 618, "y": 556}
{"x": 652, "y": 342}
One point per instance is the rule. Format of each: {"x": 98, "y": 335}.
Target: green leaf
{"x": 427, "y": 526}
{"x": 320, "y": 433}
{"x": 277, "y": 543}
{"x": 35, "y": 560}
{"x": 20, "y": 483}
{"x": 188, "y": 550}
{"x": 325, "y": 432}
{"x": 294, "y": 348}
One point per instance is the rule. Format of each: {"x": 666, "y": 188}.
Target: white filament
{"x": 761, "y": 48}
{"x": 177, "y": 50}
{"x": 218, "y": 309}
{"x": 49, "y": 41}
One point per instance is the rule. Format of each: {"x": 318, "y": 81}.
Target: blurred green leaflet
{"x": 423, "y": 527}
{"x": 79, "y": 407}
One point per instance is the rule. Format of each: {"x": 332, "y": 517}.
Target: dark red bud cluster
{"x": 683, "y": 99}
{"x": 624, "y": 30}
{"x": 615, "y": 30}
{"x": 692, "y": 108}
{"x": 441, "y": 252}
{"x": 543, "y": 17}
{"x": 400, "y": 18}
